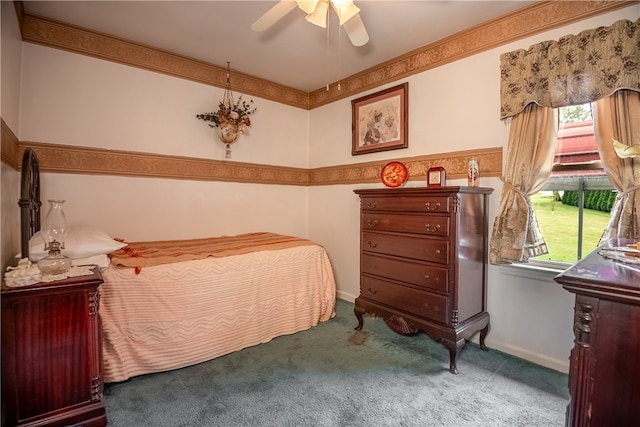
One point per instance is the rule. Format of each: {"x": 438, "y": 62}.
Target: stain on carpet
{"x": 358, "y": 337}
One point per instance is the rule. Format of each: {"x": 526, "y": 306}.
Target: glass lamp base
{"x": 54, "y": 264}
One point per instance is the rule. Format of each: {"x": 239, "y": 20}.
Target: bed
{"x": 170, "y": 304}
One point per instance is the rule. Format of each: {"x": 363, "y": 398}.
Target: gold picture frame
{"x": 380, "y": 121}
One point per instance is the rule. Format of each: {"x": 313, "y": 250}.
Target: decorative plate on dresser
{"x": 394, "y": 174}
{"x": 423, "y": 262}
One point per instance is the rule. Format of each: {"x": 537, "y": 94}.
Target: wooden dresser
{"x": 423, "y": 262}
{"x": 52, "y": 354}
{"x": 604, "y": 373}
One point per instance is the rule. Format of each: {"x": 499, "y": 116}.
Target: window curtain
{"x": 573, "y": 70}
{"x": 534, "y": 82}
{"x": 530, "y": 152}
{"x": 618, "y": 117}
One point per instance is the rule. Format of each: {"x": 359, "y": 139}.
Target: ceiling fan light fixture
{"x": 307, "y": 5}
{"x": 341, "y": 3}
{"x": 345, "y": 12}
{"x": 319, "y": 15}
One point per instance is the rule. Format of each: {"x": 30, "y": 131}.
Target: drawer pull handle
{"x": 372, "y": 244}
{"x": 432, "y": 229}
{"x": 438, "y": 251}
{"x": 432, "y": 208}
{"x": 372, "y": 205}
{"x": 372, "y": 291}
{"x": 371, "y": 223}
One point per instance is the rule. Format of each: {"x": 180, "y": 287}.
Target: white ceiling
{"x": 293, "y": 52}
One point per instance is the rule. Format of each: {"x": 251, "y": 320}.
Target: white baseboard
{"x": 346, "y": 296}
{"x": 537, "y": 358}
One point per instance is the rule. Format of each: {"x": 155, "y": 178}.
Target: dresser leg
{"x": 483, "y": 335}
{"x": 359, "y": 313}
{"x": 454, "y": 350}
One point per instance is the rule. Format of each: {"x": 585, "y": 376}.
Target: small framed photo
{"x": 436, "y": 177}
{"x": 379, "y": 121}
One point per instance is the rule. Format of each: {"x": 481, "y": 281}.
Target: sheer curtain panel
{"x": 530, "y": 151}
{"x": 618, "y": 117}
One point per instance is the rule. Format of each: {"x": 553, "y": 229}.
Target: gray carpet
{"x": 332, "y": 375}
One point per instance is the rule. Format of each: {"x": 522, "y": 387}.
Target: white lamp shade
{"x": 307, "y": 5}
{"x": 341, "y": 3}
{"x": 319, "y": 15}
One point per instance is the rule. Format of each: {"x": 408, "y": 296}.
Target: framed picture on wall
{"x": 379, "y": 121}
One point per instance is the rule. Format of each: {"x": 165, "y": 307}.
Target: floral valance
{"x": 573, "y": 70}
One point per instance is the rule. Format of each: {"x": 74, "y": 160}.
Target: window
{"x": 574, "y": 206}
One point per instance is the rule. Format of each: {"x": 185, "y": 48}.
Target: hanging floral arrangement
{"x": 232, "y": 118}
{"x": 237, "y": 114}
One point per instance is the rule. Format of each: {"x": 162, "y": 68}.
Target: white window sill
{"x": 536, "y": 269}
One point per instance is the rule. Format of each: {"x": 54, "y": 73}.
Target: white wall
{"x": 11, "y": 48}
{"x": 77, "y": 100}
{"x": 451, "y": 108}
{"x": 11, "y": 53}
{"x": 139, "y": 209}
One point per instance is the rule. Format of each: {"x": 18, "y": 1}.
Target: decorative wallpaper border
{"x": 96, "y": 161}
{"x": 522, "y": 23}
{"x": 455, "y": 164}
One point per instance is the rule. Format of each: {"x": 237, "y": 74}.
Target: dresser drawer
{"x": 418, "y": 274}
{"x": 410, "y": 300}
{"x": 432, "y": 250}
{"x": 433, "y": 225}
{"x": 435, "y": 204}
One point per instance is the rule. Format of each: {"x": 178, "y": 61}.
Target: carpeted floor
{"x": 332, "y": 375}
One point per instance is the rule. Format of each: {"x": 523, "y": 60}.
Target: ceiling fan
{"x": 317, "y": 10}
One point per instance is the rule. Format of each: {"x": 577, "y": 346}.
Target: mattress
{"x": 170, "y": 316}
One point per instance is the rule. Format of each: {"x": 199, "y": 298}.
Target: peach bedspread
{"x": 174, "y": 315}
{"x": 146, "y": 254}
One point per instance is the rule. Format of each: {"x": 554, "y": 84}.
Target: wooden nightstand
{"x": 52, "y": 354}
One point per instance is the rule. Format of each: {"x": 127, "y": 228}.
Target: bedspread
{"x": 174, "y": 315}
{"x": 146, "y": 254}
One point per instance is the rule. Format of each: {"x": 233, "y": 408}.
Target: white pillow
{"x": 82, "y": 242}
{"x": 102, "y": 261}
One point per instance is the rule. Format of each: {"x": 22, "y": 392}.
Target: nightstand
{"x": 52, "y": 354}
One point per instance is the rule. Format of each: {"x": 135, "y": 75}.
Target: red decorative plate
{"x": 394, "y": 174}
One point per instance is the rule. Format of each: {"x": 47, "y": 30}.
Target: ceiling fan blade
{"x": 345, "y": 12}
{"x": 273, "y": 15}
{"x": 356, "y": 31}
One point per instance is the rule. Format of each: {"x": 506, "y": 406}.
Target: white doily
{"x": 27, "y": 273}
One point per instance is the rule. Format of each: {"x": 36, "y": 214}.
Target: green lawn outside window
{"x": 559, "y": 226}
